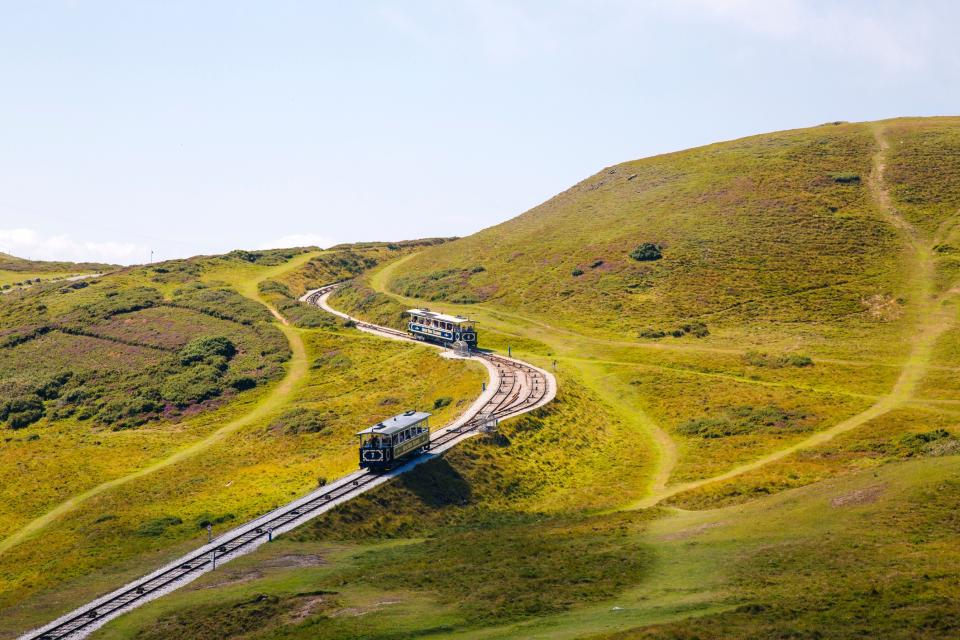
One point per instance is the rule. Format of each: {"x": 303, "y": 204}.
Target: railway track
{"x": 519, "y": 388}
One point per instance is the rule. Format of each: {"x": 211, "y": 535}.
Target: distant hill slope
{"x": 19, "y": 272}
{"x": 13, "y": 263}
{"x": 776, "y": 228}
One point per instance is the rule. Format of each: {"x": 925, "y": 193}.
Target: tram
{"x": 388, "y": 443}
{"x": 441, "y": 328}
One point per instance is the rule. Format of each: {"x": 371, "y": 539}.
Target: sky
{"x": 197, "y": 127}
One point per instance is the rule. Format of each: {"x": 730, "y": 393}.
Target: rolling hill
{"x": 16, "y": 273}
{"x": 755, "y": 433}
{"x": 140, "y": 405}
{"x": 756, "y": 348}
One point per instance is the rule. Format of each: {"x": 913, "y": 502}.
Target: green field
{"x": 755, "y": 435}
{"x": 110, "y": 503}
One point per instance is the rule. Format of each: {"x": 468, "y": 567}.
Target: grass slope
{"x": 755, "y": 434}
{"x": 104, "y": 519}
{"x": 17, "y": 273}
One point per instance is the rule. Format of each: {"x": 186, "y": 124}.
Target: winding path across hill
{"x": 515, "y": 388}
{"x": 280, "y": 394}
{"x": 933, "y": 319}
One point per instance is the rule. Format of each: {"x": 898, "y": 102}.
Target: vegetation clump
{"x": 696, "y": 329}
{"x": 648, "y": 251}
{"x": 208, "y": 519}
{"x": 760, "y": 359}
{"x": 207, "y": 348}
{"x": 845, "y": 178}
{"x": 935, "y": 442}
{"x": 747, "y": 419}
{"x": 442, "y": 402}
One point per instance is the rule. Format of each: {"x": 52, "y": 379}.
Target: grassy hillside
{"x": 756, "y": 432}
{"x": 18, "y": 273}
{"x": 140, "y": 405}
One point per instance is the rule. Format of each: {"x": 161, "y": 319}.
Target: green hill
{"x": 755, "y": 433}
{"x": 138, "y": 405}
{"x": 751, "y": 237}
{"x": 749, "y": 319}
{"x": 16, "y": 273}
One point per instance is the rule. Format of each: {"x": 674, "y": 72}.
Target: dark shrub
{"x": 845, "y": 178}
{"x": 128, "y": 411}
{"x": 200, "y": 349}
{"x": 647, "y": 251}
{"x": 596, "y": 263}
{"x": 243, "y": 383}
{"x": 196, "y": 384}
{"x": 442, "y": 402}
{"x": 653, "y": 334}
{"x": 22, "y": 411}
{"x": 577, "y": 272}
{"x": 207, "y": 518}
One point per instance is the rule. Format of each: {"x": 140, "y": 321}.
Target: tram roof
{"x": 439, "y": 316}
{"x": 397, "y": 423}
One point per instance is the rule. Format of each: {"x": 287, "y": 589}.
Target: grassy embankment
{"x": 109, "y": 503}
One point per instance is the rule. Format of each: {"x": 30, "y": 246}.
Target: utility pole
{"x": 151, "y": 256}
{"x": 209, "y": 533}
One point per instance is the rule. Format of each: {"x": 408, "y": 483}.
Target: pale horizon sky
{"x": 199, "y": 127}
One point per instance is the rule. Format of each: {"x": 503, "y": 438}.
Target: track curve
{"x": 516, "y": 387}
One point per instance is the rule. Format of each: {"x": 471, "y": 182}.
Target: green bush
{"x": 194, "y": 385}
{"x": 442, "y": 402}
{"x": 845, "y": 178}
{"x": 22, "y": 411}
{"x": 577, "y": 272}
{"x": 242, "y": 383}
{"x": 653, "y": 334}
{"x": 918, "y": 443}
{"x": 128, "y": 412}
{"x": 698, "y": 329}
{"x": 647, "y": 251}
{"x": 200, "y": 349}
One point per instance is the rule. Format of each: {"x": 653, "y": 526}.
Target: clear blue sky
{"x": 197, "y": 127}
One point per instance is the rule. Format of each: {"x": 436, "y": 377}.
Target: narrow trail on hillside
{"x": 932, "y": 319}
{"x": 296, "y": 371}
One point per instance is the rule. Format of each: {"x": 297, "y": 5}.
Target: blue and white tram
{"x": 441, "y": 328}
{"x": 390, "y": 442}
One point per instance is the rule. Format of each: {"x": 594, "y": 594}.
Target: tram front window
{"x": 372, "y": 441}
